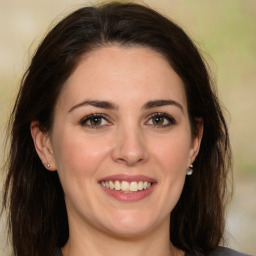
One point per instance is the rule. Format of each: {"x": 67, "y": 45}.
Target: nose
{"x": 130, "y": 147}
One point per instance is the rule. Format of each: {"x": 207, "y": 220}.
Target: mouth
{"x": 126, "y": 186}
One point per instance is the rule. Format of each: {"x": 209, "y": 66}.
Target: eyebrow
{"x": 113, "y": 106}
{"x": 97, "y": 104}
{"x": 160, "y": 103}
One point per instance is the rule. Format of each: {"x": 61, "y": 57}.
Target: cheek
{"x": 173, "y": 153}
{"x": 78, "y": 155}
{"x": 78, "y": 160}
{"x": 170, "y": 157}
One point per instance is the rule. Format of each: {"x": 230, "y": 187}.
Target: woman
{"x": 118, "y": 142}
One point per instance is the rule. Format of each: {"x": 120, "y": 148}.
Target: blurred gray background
{"x": 224, "y": 30}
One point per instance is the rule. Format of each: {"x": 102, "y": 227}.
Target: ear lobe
{"x": 196, "y": 141}
{"x": 43, "y": 146}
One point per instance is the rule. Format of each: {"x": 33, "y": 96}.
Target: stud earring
{"x": 190, "y": 170}
{"x": 48, "y": 165}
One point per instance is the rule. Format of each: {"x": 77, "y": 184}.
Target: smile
{"x": 125, "y": 186}
{"x": 128, "y": 188}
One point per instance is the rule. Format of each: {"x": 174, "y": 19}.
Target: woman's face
{"x": 121, "y": 141}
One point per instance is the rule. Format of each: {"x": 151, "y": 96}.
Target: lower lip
{"x": 129, "y": 197}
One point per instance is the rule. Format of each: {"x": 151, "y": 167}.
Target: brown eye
{"x": 94, "y": 121}
{"x": 158, "y": 120}
{"x": 161, "y": 120}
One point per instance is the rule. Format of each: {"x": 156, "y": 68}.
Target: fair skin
{"x": 140, "y": 133}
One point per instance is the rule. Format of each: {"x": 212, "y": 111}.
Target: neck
{"x": 93, "y": 242}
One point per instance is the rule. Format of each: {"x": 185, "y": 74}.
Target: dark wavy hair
{"x": 34, "y": 196}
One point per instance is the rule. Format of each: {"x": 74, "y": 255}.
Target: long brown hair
{"x": 34, "y": 196}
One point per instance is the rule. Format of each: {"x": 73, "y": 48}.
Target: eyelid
{"x": 100, "y": 115}
{"x": 170, "y": 119}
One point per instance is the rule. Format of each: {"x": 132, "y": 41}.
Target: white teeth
{"x": 140, "y": 185}
{"x": 117, "y": 185}
{"x": 111, "y": 184}
{"x": 134, "y": 186}
{"x": 125, "y": 186}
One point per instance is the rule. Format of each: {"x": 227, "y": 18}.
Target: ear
{"x": 43, "y": 146}
{"x": 196, "y": 141}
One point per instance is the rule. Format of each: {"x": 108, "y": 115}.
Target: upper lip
{"x": 129, "y": 178}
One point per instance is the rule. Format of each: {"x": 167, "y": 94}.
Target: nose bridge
{"x": 130, "y": 145}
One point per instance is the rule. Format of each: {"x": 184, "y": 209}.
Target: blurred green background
{"x": 224, "y": 30}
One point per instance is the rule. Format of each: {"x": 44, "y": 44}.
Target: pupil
{"x": 96, "y": 121}
{"x": 158, "y": 120}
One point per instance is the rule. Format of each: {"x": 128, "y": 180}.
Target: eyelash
{"x": 171, "y": 121}
{"x": 84, "y": 120}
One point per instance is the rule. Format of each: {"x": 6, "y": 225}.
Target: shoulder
{"x": 221, "y": 251}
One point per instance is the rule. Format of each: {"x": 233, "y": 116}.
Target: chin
{"x": 131, "y": 225}
{"x": 129, "y": 231}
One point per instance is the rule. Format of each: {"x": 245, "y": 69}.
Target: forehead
{"x": 127, "y": 73}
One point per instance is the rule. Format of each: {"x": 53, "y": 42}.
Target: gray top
{"x": 220, "y": 251}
